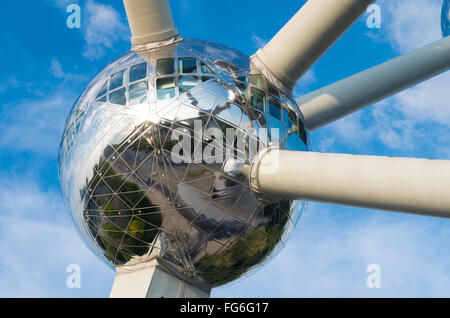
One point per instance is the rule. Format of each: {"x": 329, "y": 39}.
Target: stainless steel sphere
{"x": 134, "y": 199}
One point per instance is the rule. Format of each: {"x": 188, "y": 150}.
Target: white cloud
{"x": 333, "y": 247}
{"x": 411, "y": 24}
{"x": 56, "y": 68}
{"x": 101, "y": 25}
{"x": 102, "y": 29}
{"x": 257, "y": 41}
{"x": 38, "y": 242}
{"x": 35, "y": 125}
{"x": 418, "y": 119}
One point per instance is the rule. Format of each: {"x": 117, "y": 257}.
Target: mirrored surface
{"x": 134, "y": 196}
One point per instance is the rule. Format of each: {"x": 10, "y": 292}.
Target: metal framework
{"x": 398, "y": 184}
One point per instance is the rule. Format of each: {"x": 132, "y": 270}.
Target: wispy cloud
{"x": 38, "y": 242}
{"x": 417, "y": 119}
{"x": 102, "y": 30}
{"x": 102, "y": 27}
{"x": 257, "y": 41}
{"x": 333, "y": 247}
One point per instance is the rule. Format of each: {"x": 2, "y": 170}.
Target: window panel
{"x": 118, "y": 97}
{"x": 138, "y": 93}
{"x": 206, "y": 78}
{"x": 186, "y": 83}
{"x": 206, "y": 69}
{"x": 258, "y": 81}
{"x": 273, "y": 91}
{"x": 187, "y": 65}
{"x": 302, "y": 132}
{"x": 138, "y": 72}
{"x": 117, "y": 80}
{"x": 275, "y": 108}
{"x": 292, "y": 120}
{"x": 165, "y": 88}
{"x": 165, "y": 66}
{"x": 258, "y": 99}
{"x": 103, "y": 91}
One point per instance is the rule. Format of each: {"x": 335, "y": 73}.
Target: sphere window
{"x": 292, "y": 121}
{"x": 258, "y": 99}
{"x": 165, "y": 88}
{"x": 138, "y": 72}
{"x": 118, "y": 97}
{"x": 103, "y": 91}
{"x": 275, "y": 108}
{"x": 187, "y": 65}
{"x": 258, "y": 82}
{"x": 186, "y": 83}
{"x": 138, "y": 93}
{"x": 165, "y": 66}
{"x": 117, "y": 80}
{"x": 302, "y": 132}
{"x": 206, "y": 69}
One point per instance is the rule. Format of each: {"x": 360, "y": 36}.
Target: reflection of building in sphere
{"x": 446, "y": 18}
{"x": 133, "y": 203}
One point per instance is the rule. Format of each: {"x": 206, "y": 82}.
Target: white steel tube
{"x": 307, "y": 36}
{"x": 150, "y": 21}
{"x": 417, "y": 186}
{"x": 349, "y": 95}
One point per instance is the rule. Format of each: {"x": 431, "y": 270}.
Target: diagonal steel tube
{"x": 307, "y": 36}
{"x": 349, "y": 95}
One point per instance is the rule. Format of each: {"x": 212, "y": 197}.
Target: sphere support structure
{"x": 178, "y": 229}
{"x": 149, "y": 280}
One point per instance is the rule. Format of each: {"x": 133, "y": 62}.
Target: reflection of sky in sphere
{"x": 446, "y": 18}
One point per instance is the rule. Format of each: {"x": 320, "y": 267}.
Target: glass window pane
{"x": 292, "y": 120}
{"x": 165, "y": 88}
{"x": 275, "y": 108}
{"x": 258, "y": 99}
{"x": 118, "y": 97}
{"x": 186, "y": 83}
{"x": 258, "y": 81}
{"x": 242, "y": 87}
{"x": 102, "y": 100}
{"x": 103, "y": 90}
{"x": 138, "y": 93}
{"x": 117, "y": 80}
{"x": 205, "y": 69}
{"x": 302, "y": 132}
{"x": 138, "y": 72}
{"x": 273, "y": 91}
{"x": 165, "y": 66}
{"x": 206, "y": 78}
{"x": 187, "y": 65}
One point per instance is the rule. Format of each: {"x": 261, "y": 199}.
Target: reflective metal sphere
{"x": 446, "y": 18}
{"x": 134, "y": 200}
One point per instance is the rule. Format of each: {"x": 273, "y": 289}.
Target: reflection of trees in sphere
{"x": 446, "y": 18}
{"x": 132, "y": 203}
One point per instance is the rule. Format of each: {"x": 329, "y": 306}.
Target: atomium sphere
{"x": 446, "y": 18}
{"x": 135, "y": 195}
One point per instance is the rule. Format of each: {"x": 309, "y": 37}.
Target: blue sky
{"x": 45, "y": 66}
